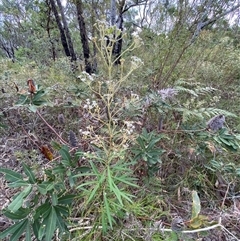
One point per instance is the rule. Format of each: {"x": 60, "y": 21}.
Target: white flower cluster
{"x": 85, "y": 77}
{"x": 84, "y": 133}
{"x": 136, "y": 62}
{"x": 130, "y": 127}
{"x": 167, "y": 93}
{"x": 90, "y": 105}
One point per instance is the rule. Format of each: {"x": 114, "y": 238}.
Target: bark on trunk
{"x": 53, "y": 49}
{"x": 67, "y": 32}
{"x": 60, "y": 27}
{"x": 83, "y": 35}
{"x": 117, "y": 48}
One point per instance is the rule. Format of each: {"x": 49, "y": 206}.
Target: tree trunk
{"x": 93, "y": 21}
{"x": 67, "y": 32}
{"x": 83, "y": 35}
{"x": 61, "y": 30}
{"x": 53, "y": 49}
{"x": 117, "y": 48}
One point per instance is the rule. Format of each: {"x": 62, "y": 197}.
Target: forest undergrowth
{"x": 116, "y": 156}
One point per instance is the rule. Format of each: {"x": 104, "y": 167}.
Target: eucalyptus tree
{"x": 23, "y": 29}
{"x": 64, "y": 30}
{"x": 61, "y": 28}
{"x": 12, "y": 29}
{"x": 172, "y": 28}
{"x": 118, "y": 9}
{"x": 83, "y": 35}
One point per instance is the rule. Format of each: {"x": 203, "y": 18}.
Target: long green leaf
{"x": 110, "y": 181}
{"x": 36, "y": 227}
{"x": 11, "y": 176}
{"x": 42, "y": 211}
{"x": 28, "y": 235}
{"x": 93, "y": 193}
{"x": 61, "y": 224}
{"x": 127, "y": 182}
{"x": 11, "y": 229}
{"x": 51, "y": 224}
{"x": 54, "y": 199}
{"x": 86, "y": 184}
{"x": 64, "y": 152}
{"x": 67, "y": 199}
{"x": 108, "y": 212}
{"x": 19, "y": 183}
{"x": 94, "y": 168}
{"x": 19, "y": 214}
{"x": 29, "y": 173}
{"x": 153, "y": 142}
{"x": 18, "y": 199}
{"x": 98, "y": 184}
{"x": 117, "y": 193}
{"x": 62, "y": 209}
{"x": 15, "y": 236}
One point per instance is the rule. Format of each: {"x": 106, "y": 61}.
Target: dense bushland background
{"x": 119, "y": 120}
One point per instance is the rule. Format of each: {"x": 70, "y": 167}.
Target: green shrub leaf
{"x": 21, "y": 213}
{"x": 11, "y": 176}
{"x": 51, "y": 224}
{"x": 29, "y": 173}
{"x": 18, "y": 199}
{"x": 15, "y": 236}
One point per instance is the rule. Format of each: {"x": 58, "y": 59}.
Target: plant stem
{"x": 50, "y": 127}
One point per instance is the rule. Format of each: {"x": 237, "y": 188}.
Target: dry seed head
{"x": 216, "y": 122}
{"x": 61, "y": 119}
{"x": 72, "y": 139}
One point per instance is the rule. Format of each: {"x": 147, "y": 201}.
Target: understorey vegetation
{"x": 138, "y": 140}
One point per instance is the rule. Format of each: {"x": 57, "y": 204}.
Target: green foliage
{"x": 33, "y": 100}
{"x": 197, "y": 220}
{"x": 122, "y": 118}
{"x": 42, "y": 205}
{"x": 107, "y": 185}
{"x": 146, "y": 149}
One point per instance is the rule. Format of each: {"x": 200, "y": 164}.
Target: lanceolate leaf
{"x": 19, "y": 183}
{"x": 51, "y": 224}
{"x": 15, "y": 236}
{"x": 19, "y": 214}
{"x": 28, "y": 235}
{"x": 67, "y": 199}
{"x": 42, "y": 211}
{"x": 18, "y": 199}
{"x": 108, "y": 212}
{"x": 11, "y": 176}
{"x": 61, "y": 224}
{"x": 65, "y": 153}
{"x": 36, "y": 227}
{"x": 29, "y": 173}
{"x": 63, "y": 210}
{"x": 11, "y": 229}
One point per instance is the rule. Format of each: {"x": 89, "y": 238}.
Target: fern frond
{"x": 194, "y": 89}
{"x": 186, "y": 90}
{"x": 202, "y": 113}
{"x": 205, "y": 90}
{"x": 214, "y": 111}
{"x": 189, "y": 82}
